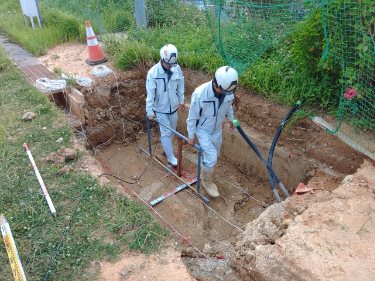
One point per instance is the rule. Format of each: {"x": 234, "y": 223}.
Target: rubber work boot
{"x": 168, "y": 150}
{"x": 207, "y": 178}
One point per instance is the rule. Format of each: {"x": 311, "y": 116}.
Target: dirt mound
{"x": 315, "y": 236}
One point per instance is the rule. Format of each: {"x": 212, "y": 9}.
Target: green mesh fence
{"x": 351, "y": 31}
{"x": 209, "y": 33}
{"x": 243, "y": 31}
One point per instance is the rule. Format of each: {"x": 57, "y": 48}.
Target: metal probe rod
{"x": 181, "y": 136}
{"x": 169, "y": 170}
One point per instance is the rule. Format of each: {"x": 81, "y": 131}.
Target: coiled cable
{"x": 46, "y": 84}
{"x": 101, "y": 71}
{"x": 82, "y": 81}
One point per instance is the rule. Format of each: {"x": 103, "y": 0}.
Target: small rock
{"x": 28, "y": 116}
{"x": 54, "y": 158}
{"x": 249, "y": 257}
{"x": 347, "y": 179}
{"x": 59, "y": 140}
{"x": 207, "y": 248}
{"x": 64, "y": 170}
{"x": 124, "y": 272}
{"x": 188, "y": 252}
{"x": 69, "y": 154}
{"x": 60, "y": 150}
{"x": 228, "y": 272}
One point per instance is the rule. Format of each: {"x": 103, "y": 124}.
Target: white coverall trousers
{"x": 210, "y": 144}
{"x": 168, "y": 120}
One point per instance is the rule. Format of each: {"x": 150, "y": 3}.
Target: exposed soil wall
{"x": 107, "y": 106}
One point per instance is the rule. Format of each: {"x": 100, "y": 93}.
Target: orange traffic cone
{"x": 95, "y": 54}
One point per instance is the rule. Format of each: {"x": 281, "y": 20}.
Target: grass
{"x": 130, "y": 54}
{"x": 363, "y": 227}
{"x": 58, "y": 27}
{"x": 196, "y": 51}
{"x": 105, "y": 223}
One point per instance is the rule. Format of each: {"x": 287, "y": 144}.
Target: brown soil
{"x": 236, "y": 236}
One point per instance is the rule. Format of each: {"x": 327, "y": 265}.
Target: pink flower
{"x": 350, "y": 93}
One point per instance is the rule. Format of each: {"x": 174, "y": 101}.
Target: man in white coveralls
{"x": 210, "y": 104}
{"x": 165, "y": 86}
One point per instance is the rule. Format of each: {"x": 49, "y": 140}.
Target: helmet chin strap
{"x": 164, "y": 65}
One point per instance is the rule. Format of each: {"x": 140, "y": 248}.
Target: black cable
{"x": 270, "y": 155}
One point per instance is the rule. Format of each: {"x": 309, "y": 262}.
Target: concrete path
{"x": 33, "y": 70}
{"x": 29, "y": 64}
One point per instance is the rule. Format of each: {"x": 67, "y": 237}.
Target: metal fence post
{"x": 140, "y": 14}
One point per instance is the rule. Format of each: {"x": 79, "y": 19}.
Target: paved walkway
{"x": 29, "y": 64}
{"x": 33, "y": 70}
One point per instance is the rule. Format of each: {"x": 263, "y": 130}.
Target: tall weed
{"x": 277, "y": 76}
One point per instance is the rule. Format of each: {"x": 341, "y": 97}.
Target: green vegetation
{"x": 105, "y": 222}
{"x": 168, "y": 22}
{"x": 278, "y": 54}
{"x": 58, "y": 27}
{"x": 129, "y": 54}
{"x": 115, "y": 15}
{"x": 287, "y": 72}
{"x": 363, "y": 227}
{"x": 280, "y": 78}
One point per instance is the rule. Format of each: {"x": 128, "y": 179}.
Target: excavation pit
{"x": 114, "y": 126}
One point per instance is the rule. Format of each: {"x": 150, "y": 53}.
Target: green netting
{"x": 209, "y": 33}
{"x": 243, "y": 31}
{"x": 351, "y": 32}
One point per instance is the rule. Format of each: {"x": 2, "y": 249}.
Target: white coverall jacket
{"x": 164, "y": 93}
{"x": 206, "y": 118}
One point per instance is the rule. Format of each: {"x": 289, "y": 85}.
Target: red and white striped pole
{"x": 44, "y": 189}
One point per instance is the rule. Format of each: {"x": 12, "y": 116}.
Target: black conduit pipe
{"x": 273, "y": 148}
{"x": 237, "y": 125}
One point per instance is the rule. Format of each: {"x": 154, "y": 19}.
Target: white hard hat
{"x": 226, "y": 78}
{"x": 169, "y": 55}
